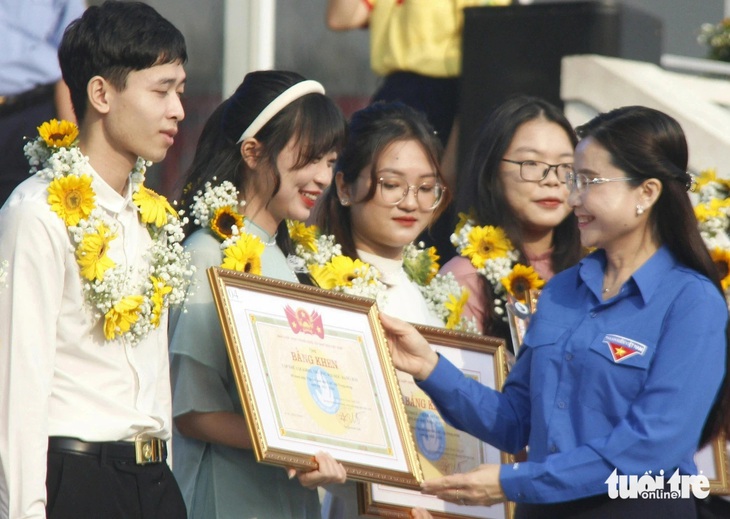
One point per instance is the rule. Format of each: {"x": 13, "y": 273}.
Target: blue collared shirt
{"x": 625, "y": 383}
{"x": 31, "y": 33}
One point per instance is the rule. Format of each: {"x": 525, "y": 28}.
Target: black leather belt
{"x": 15, "y": 103}
{"x": 143, "y": 450}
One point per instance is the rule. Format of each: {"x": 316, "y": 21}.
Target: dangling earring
{"x": 639, "y": 210}
{"x": 345, "y": 201}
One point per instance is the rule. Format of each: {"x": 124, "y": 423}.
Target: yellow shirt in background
{"x": 420, "y": 36}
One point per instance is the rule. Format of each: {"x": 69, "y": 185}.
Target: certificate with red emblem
{"x": 314, "y": 374}
{"x": 442, "y": 449}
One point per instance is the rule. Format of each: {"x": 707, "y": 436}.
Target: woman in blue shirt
{"x": 623, "y": 366}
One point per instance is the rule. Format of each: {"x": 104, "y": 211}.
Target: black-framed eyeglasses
{"x": 536, "y": 171}
{"x": 428, "y": 194}
{"x": 580, "y": 182}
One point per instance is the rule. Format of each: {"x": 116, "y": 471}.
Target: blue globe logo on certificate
{"x": 323, "y": 389}
{"x": 430, "y": 435}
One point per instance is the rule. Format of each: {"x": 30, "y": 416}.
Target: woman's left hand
{"x": 328, "y": 471}
{"x": 478, "y": 487}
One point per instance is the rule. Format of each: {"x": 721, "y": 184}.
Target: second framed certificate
{"x": 442, "y": 449}
{"x": 314, "y": 374}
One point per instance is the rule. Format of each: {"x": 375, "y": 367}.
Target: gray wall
{"x": 341, "y": 61}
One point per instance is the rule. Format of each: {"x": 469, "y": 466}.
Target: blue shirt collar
{"x": 646, "y": 279}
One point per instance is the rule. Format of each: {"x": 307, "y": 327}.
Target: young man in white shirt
{"x": 84, "y": 377}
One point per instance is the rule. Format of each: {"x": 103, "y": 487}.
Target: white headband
{"x": 292, "y": 93}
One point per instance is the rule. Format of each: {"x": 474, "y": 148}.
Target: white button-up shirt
{"x": 58, "y": 374}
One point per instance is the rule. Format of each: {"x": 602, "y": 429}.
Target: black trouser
{"x": 84, "y": 486}
{"x": 602, "y": 507}
{"x": 16, "y": 127}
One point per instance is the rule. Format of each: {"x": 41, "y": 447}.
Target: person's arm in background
{"x": 343, "y": 15}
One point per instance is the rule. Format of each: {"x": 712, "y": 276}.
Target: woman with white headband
{"x": 264, "y": 157}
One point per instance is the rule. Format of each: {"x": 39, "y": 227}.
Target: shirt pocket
{"x": 613, "y": 373}
{"x": 545, "y": 340}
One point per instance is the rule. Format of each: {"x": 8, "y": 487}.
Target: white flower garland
{"x": 131, "y": 310}
{"x": 494, "y": 269}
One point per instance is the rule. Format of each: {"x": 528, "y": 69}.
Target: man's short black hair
{"x": 113, "y": 39}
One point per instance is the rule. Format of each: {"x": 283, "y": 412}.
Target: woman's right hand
{"x": 409, "y": 350}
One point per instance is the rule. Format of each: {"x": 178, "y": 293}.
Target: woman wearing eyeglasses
{"x": 515, "y": 184}
{"x": 622, "y": 370}
{"x": 387, "y": 189}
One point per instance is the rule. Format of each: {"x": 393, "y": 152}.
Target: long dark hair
{"x": 370, "y": 132}
{"x": 313, "y": 119}
{"x": 646, "y": 143}
{"x": 482, "y": 193}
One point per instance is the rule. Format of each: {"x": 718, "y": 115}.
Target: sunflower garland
{"x": 130, "y": 309}
{"x": 322, "y": 257}
{"x": 215, "y": 207}
{"x": 713, "y": 217}
{"x": 493, "y": 255}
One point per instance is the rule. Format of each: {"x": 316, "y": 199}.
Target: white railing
{"x": 591, "y": 84}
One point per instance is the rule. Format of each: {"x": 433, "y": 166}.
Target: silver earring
{"x": 639, "y": 210}
{"x": 345, "y": 201}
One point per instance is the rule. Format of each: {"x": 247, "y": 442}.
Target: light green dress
{"x": 219, "y": 481}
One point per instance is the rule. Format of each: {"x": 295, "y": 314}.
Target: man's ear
{"x": 99, "y": 93}
{"x": 251, "y": 152}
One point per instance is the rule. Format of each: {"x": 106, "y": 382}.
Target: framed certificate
{"x": 442, "y": 449}
{"x": 712, "y": 462}
{"x": 314, "y": 374}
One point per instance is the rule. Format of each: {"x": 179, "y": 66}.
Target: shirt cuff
{"x": 442, "y": 380}
{"x": 515, "y": 480}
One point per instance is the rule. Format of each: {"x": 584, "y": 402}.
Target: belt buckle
{"x": 147, "y": 449}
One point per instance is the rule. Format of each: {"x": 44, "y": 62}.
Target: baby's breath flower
{"x": 130, "y": 309}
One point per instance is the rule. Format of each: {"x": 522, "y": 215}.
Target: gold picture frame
{"x": 712, "y": 462}
{"x": 485, "y": 359}
{"x": 314, "y": 373}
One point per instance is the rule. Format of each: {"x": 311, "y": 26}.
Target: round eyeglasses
{"x": 579, "y": 182}
{"x": 394, "y": 190}
{"x": 536, "y": 171}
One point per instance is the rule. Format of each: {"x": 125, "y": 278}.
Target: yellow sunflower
{"x": 244, "y": 255}
{"x": 520, "y": 280}
{"x": 304, "y": 235}
{"x": 463, "y": 218}
{"x": 153, "y": 207}
{"x": 122, "y": 316}
{"x": 434, "y": 268}
{"x": 58, "y": 134}
{"x": 485, "y": 243}
{"x": 71, "y": 198}
{"x": 158, "y": 299}
{"x": 340, "y": 271}
{"x": 456, "y": 309}
{"x": 91, "y": 253}
{"x": 713, "y": 209}
{"x": 722, "y": 261}
{"x": 223, "y": 221}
